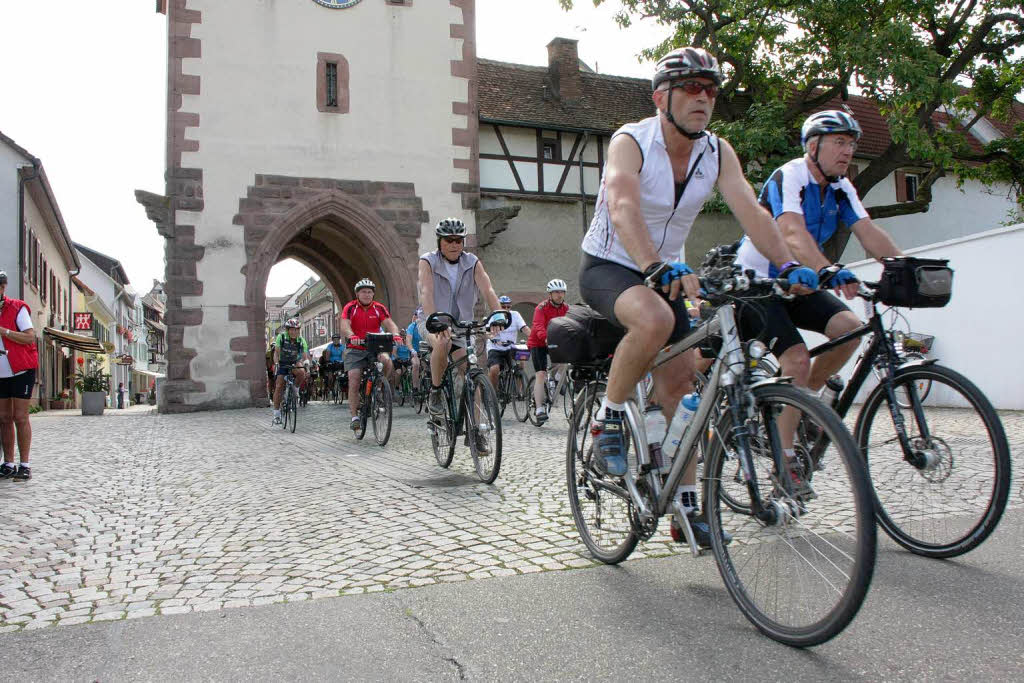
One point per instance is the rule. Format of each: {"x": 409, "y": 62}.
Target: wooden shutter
{"x": 901, "y": 186}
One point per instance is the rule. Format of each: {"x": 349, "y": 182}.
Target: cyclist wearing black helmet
{"x": 450, "y": 280}
{"x": 658, "y": 175}
{"x": 809, "y": 197}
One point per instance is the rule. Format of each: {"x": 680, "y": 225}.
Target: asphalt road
{"x": 656, "y": 619}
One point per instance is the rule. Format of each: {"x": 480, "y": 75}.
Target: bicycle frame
{"x": 880, "y": 345}
{"x": 455, "y": 405}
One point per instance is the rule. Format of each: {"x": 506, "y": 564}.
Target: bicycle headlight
{"x": 472, "y": 359}
{"x": 757, "y": 350}
{"x": 380, "y": 366}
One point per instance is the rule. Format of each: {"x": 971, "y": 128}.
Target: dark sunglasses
{"x": 452, "y": 240}
{"x": 694, "y": 88}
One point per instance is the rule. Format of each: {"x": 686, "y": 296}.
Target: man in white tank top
{"x": 658, "y": 174}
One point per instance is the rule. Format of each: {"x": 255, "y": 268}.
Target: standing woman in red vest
{"x": 18, "y": 366}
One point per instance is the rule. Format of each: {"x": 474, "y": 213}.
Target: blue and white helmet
{"x": 503, "y": 299}
{"x": 828, "y": 122}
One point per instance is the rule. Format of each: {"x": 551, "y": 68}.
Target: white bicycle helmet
{"x": 556, "y": 285}
{"x": 826, "y": 123}
{"x": 450, "y": 227}
{"x": 292, "y": 322}
{"x": 365, "y": 283}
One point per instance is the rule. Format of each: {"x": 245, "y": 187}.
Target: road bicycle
{"x": 513, "y": 385}
{"x": 470, "y": 410}
{"x": 934, "y": 446}
{"x": 800, "y": 561}
{"x": 375, "y": 390}
{"x": 290, "y": 403}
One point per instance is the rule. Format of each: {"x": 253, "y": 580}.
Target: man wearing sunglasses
{"x": 658, "y": 175}
{"x": 450, "y": 281}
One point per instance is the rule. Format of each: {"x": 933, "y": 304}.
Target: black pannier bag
{"x": 379, "y": 342}
{"x": 582, "y": 335}
{"x": 915, "y": 282}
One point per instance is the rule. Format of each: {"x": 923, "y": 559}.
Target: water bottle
{"x": 654, "y": 421}
{"x": 833, "y": 386}
{"x": 684, "y": 413}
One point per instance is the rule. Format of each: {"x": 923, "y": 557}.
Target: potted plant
{"x": 60, "y": 402}
{"x": 94, "y": 385}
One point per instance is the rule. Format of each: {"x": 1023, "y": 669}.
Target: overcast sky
{"x": 86, "y": 94}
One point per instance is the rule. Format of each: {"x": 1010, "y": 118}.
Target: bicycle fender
{"x": 917, "y": 363}
{"x": 771, "y": 380}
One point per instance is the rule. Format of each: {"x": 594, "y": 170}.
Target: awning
{"x": 149, "y": 373}
{"x": 159, "y": 327}
{"x": 75, "y": 341}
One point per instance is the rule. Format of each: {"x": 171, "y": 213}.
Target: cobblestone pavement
{"x": 141, "y": 514}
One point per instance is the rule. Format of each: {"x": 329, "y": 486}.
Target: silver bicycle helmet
{"x": 826, "y": 123}
{"x": 450, "y": 227}
{"x": 365, "y": 283}
{"x": 556, "y": 285}
{"x": 686, "y": 61}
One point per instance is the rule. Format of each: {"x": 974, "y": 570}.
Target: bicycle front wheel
{"x": 442, "y": 433}
{"x": 531, "y": 402}
{"x": 293, "y": 406}
{"x": 380, "y": 411}
{"x": 484, "y": 428}
{"x": 520, "y": 403}
{"x": 600, "y": 505}
{"x": 801, "y": 573}
{"x": 948, "y": 501}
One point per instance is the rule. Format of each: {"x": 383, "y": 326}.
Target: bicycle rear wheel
{"x": 380, "y": 411}
{"x": 483, "y": 421}
{"x": 520, "y": 403}
{"x": 442, "y": 432}
{"x": 600, "y": 506}
{"x": 800, "y": 576}
{"x": 954, "y": 500}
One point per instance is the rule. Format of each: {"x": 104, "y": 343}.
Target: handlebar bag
{"x": 915, "y": 282}
{"x": 379, "y": 342}
{"x": 582, "y": 335}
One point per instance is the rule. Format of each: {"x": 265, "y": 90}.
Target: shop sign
{"x": 83, "y": 322}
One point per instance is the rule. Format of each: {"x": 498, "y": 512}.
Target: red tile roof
{"x": 520, "y": 94}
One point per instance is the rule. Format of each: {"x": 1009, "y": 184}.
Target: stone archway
{"x": 331, "y": 225}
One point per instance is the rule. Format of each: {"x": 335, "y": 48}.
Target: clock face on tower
{"x": 337, "y": 4}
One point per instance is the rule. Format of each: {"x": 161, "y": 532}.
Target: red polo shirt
{"x": 364, "y": 319}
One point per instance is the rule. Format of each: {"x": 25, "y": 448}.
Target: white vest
{"x": 667, "y": 222}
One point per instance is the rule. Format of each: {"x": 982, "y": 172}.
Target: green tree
{"x": 934, "y": 67}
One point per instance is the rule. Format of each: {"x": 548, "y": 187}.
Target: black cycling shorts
{"x": 19, "y": 386}
{"x": 539, "y": 356}
{"x": 499, "y": 356}
{"x": 776, "y": 322}
{"x": 602, "y": 282}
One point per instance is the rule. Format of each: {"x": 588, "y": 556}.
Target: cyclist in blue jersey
{"x": 402, "y": 362}
{"x": 335, "y": 354}
{"x": 412, "y": 340}
{"x": 809, "y": 197}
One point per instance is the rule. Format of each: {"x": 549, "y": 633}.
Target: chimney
{"x": 564, "y": 69}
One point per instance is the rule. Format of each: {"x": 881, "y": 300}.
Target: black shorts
{"x": 776, "y": 322}
{"x": 499, "y": 356}
{"x": 602, "y": 282}
{"x": 539, "y": 356}
{"x": 19, "y": 386}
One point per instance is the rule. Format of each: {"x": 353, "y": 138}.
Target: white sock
{"x": 24, "y": 463}
{"x": 277, "y": 412}
{"x": 789, "y": 453}
{"x": 607, "y": 405}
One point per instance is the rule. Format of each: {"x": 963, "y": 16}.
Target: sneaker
{"x": 482, "y": 447}
{"x": 355, "y": 424}
{"x": 609, "y": 447}
{"x": 7, "y": 471}
{"x": 701, "y": 532}
{"x": 799, "y": 486}
{"x": 435, "y": 402}
{"x": 542, "y": 417}
{"x": 23, "y": 474}
{"x": 277, "y": 420}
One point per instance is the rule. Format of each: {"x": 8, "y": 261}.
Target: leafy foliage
{"x": 93, "y": 379}
{"x": 934, "y": 67}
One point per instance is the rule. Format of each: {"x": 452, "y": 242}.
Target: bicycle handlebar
{"x": 448, "y": 320}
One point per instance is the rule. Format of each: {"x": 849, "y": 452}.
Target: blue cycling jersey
{"x": 335, "y": 353}
{"x": 414, "y": 333}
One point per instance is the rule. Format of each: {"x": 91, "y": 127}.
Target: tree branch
{"x": 921, "y": 202}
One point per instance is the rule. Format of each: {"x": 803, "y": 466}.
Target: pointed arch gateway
{"x": 343, "y": 229}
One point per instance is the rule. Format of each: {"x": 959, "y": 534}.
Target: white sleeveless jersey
{"x": 668, "y": 223}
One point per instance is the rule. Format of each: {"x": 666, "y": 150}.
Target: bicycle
{"x": 471, "y": 411}
{"x": 290, "y": 403}
{"x": 423, "y": 385}
{"x": 562, "y": 386}
{"x": 375, "y": 391}
{"x": 512, "y": 384}
{"x": 936, "y": 495}
{"x": 404, "y": 388}
{"x": 799, "y": 565}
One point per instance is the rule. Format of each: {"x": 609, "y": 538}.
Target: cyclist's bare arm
{"x": 876, "y": 242}
{"x": 426, "y": 289}
{"x": 756, "y": 222}
{"x": 622, "y": 183}
{"x": 483, "y": 284}
{"x": 346, "y": 328}
{"x": 391, "y": 327}
{"x": 800, "y": 241}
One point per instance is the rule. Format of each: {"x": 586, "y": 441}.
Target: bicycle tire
{"x": 568, "y": 398}
{"x": 835, "y": 528}
{"x": 285, "y": 410}
{"x": 503, "y": 392}
{"x": 294, "y": 409}
{"x": 520, "y": 403}
{"x": 442, "y": 432}
{"x": 611, "y": 543}
{"x": 487, "y": 466}
{"x": 400, "y": 391}
{"x": 381, "y": 412}
{"x": 906, "y": 525}
{"x": 364, "y": 412}
{"x": 531, "y": 402}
